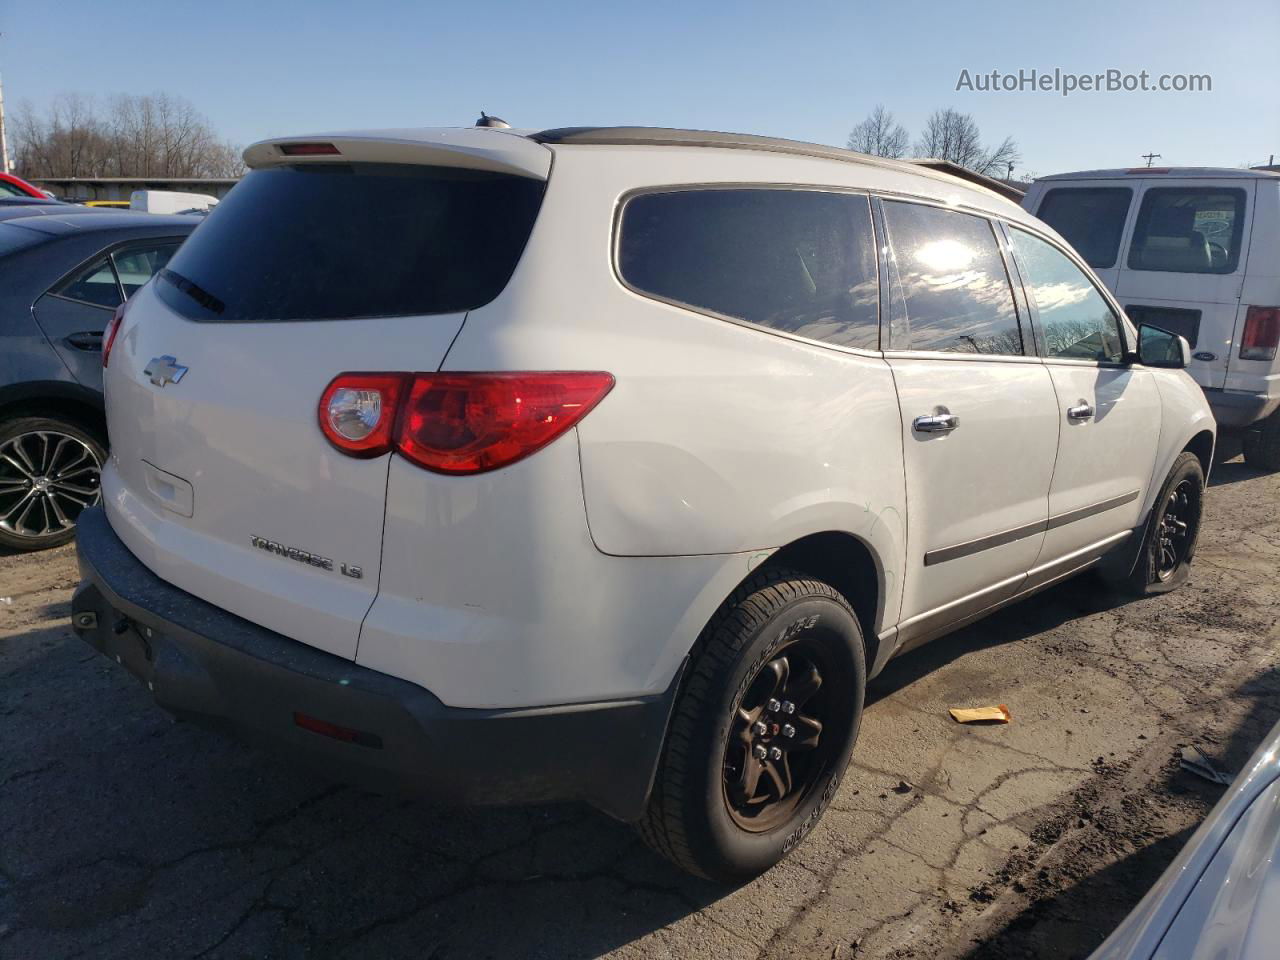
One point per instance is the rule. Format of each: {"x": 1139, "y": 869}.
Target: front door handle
{"x": 941, "y": 421}
{"x": 1081, "y": 411}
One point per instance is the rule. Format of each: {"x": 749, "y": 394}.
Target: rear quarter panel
{"x": 718, "y": 438}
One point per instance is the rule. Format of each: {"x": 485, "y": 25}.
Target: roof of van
{"x": 528, "y": 153}
{"x": 1216, "y": 173}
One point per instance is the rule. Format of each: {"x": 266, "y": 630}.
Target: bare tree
{"x": 879, "y": 135}
{"x": 954, "y": 136}
{"x": 157, "y": 136}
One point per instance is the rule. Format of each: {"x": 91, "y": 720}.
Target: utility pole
{"x": 4, "y": 139}
{"x": 1149, "y": 157}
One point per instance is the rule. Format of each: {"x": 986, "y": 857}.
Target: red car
{"x": 11, "y": 186}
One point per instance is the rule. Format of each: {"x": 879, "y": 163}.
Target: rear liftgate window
{"x": 799, "y": 261}
{"x": 329, "y": 241}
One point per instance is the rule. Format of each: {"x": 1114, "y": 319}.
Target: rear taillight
{"x": 473, "y": 422}
{"x": 109, "y": 337}
{"x": 456, "y": 423}
{"x": 1261, "y": 333}
{"x": 358, "y": 411}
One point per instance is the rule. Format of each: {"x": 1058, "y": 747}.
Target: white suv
{"x": 608, "y": 464}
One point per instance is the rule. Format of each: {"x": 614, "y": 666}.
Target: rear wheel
{"x": 1262, "y": 443}
{"x": 50, "y": 470}
{"x": 762, "y": 731}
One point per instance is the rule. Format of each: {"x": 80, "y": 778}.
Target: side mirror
{"x": 1160, "y": 348}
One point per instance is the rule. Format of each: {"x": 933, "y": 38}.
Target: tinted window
{"x": 1077, "y": 322}
{"x": 328, "y": 241}
{"x": 951, "y": 291}
{"x": 136, "y": 265}
{"x": 95, "y": 284}
{"x": 795, "y": 260}
{"x": 9, "y": 190}
{"x": 1090, "y": 219}
{"x": 1188, "y": 230}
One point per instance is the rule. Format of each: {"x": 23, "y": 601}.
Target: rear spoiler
{"x": 470, "y": 148}
{"x": 1006, "y": 190}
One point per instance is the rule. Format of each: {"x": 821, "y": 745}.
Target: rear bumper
{"x": 205, "y": 664}
{"x": 1236, "y": 410}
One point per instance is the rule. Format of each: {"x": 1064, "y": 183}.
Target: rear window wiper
{"x": 193, "y": 290}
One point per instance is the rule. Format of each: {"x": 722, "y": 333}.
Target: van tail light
{"x": 1261, "y": 333}
{"x": 457, "y": 423}
{"x": 358, "y": 411}
{"x": 109, "y": 338}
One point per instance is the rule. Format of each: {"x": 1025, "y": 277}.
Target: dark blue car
{"x": 62, "y": 276}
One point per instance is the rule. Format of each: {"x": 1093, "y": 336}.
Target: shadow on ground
{"x": 1073, "y": 923}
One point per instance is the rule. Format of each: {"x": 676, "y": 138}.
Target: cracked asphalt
{"x": 124, "y": 834}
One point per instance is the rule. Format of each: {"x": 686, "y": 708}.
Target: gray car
{"x": 62, "y": 276}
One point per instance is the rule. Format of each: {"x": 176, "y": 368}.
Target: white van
{"x": 1196, "y": 251}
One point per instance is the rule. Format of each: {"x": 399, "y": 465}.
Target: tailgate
{"x": 222, "y": 481}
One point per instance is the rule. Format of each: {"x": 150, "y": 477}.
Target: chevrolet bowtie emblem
{"x": 162, "y": 370}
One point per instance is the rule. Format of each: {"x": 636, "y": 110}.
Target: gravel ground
{"x": 124, "y": 834}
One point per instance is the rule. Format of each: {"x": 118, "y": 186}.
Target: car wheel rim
{"x": 46, "y": 479}
{"x": 1176, "y": 527}
{"x": 781, "y": 737}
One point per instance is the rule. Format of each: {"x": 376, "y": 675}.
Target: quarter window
{"x": 1091, "y": 219}
{"x": 950, "y": 291}
{"x": 1188, "y": 230}
{"x": 136, "y": 265}
{"x": 1077, "y": 322}
{"x": 95, "y": 284}
{"x": 799, "y": 261}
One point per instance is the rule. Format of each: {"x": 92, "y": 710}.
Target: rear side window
{"x": 136, "y": 265}
{"x": 95, "y": 284}
{"x": 329, "y": 241}
{"x": 1188, "y": 230}
{"x": 799, "y": 261}
{"x": 1091, "y": 219}
{"x": 950, "y": 291}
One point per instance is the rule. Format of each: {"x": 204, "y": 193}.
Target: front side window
{"x": 799, "y": 261}
{"x": 95, "y": 284}
{"x": 1091, "y": 219}
{"x": 136, "y": 265}
{"x": 1078, "y": 323}
{"x": 1188, "y": 230}
{"x": 950, "y": 292}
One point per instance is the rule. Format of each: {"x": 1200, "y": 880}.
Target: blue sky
{"x": 803, "y": 70}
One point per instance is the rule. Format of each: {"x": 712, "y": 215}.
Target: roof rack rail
{"x": 674, "y": 137}
{"x": 1006, "y": 190}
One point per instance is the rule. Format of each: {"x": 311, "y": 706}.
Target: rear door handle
{"x": 1081, "y": 411}
{"x": 89, "y": 340}
{"x": 943, "y": 421}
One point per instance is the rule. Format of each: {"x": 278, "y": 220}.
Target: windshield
{"x": 328, "y": 241}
